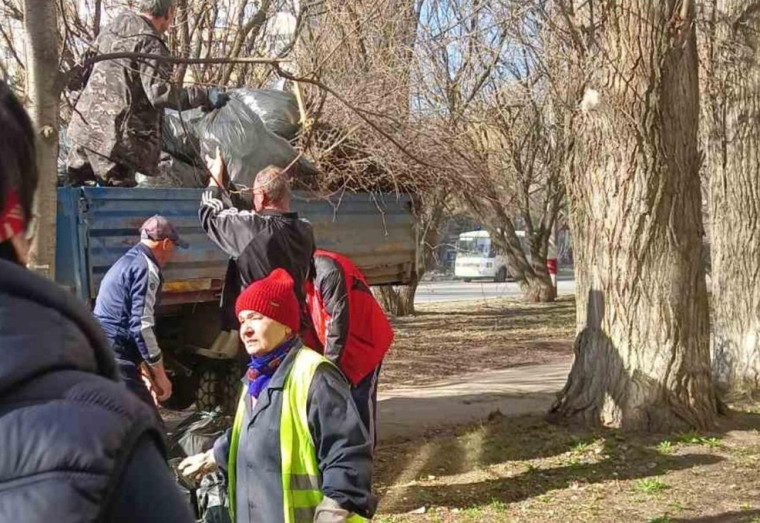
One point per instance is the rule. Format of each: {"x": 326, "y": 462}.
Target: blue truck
{"x": 95, "y": 226}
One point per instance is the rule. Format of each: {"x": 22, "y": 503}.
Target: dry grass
{"x": 443, "y": 340}
{"x": 523, "y": 469}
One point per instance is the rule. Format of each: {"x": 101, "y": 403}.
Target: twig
{"x": 181, "y": 60}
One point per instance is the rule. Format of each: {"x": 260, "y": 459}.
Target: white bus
{"x": 477, "y": 259}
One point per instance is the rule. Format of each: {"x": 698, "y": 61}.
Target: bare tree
{"x": 520, "y": 152}
{"x": 642, "y": 350}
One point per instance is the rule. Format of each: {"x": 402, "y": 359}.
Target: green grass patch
{"x": 651, "y": 485}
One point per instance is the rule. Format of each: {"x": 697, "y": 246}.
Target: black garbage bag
{"x": 246, "y": 144}
{"x": 179, "y": 137}
{"x": 277, "y": 109}
{"x": 197, "y": 433}
{"x": 173, "y": 172}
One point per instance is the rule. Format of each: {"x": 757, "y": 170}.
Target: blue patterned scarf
{"x": 262, "y": 368}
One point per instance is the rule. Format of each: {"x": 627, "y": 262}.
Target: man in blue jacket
{"x": 126, "y": 307}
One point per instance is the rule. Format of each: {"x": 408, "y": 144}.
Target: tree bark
{"x": 734, "y": 165}
{"x": 42, "y": 45}
{"x": 399, "y": 301}
{"x": 182, "y": 16}
{"x": 642, "y": 359}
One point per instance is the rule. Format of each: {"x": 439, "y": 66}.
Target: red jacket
{"x": 348, "y": 321}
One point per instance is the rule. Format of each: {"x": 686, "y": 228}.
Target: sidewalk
{"x": 410, "y": 411}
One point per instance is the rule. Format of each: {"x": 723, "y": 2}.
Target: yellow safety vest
{"x": 301, "y": 481}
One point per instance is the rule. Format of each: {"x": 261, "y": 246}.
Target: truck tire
{"x": 501, "y": 275}
{"x": 219, "y": 386}
{"x": 207, "y": 386}
{"x": 467, "y": 280}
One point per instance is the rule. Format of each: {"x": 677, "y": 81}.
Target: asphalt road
{"x": 441, "y": 291}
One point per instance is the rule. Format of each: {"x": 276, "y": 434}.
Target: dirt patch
{"x": 448, "y": 339}
{"x": 523, "y": 469}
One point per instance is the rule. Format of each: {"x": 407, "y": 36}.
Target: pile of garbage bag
{"x": 174, "y": 172}
{"x": 246, "y": 144}
{"x": 253, "y": 130}
{"x": 196, "y": 434}
{"x": 278, "y": 110}
{"x": 178, "y": 135}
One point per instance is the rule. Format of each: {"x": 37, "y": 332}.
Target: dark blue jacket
{"x": 126, "y": 306}
{"x": 344, "y": 450}
{"x": 76, "y": 445}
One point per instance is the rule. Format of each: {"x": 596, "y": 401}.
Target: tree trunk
{"x": 182, "y": 17}
{"x": 398, "y": 301}
{"x": 42, "y": 44}
{"x": 538, "y": 288}
{"x": 734, "y": 165}
{"x": 642, "y": 359}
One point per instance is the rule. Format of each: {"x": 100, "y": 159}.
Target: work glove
{"x": 194, "y": 467}
{"x": 216, "y": 99}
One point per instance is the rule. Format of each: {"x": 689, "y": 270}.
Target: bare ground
{"x": 448, "y": 339}
{"x": 524, "y": 469}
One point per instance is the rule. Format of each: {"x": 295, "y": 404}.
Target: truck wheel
{"x": 219, "y": 387}
{"x": 208, "y": 382}
{"x": 467, "y": 280}
{"x": 501, "y": 275}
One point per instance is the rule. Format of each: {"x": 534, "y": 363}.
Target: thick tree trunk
{"x": 532, "y": 276}
{"x": 538, "y": 288}
{"x": 42, "y": 44}
{"x": 734, "y": 164}
{"x": 642, "y": 358}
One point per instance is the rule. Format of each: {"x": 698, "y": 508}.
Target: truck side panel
{"x": 97, "y": 225}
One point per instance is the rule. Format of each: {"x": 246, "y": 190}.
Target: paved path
{"x": 444, "y": 291}
{"x": 410, "y": 411}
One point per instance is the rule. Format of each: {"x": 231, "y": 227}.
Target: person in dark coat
{"x": 257, "y": 242}
{"x": 298, "y": 450}
{"x": 76, "y": 445}
{"x": 115, "y": 129}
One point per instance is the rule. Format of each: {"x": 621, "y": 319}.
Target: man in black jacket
{"x": 77, "y": 446}
{"x": 257, "y": 242}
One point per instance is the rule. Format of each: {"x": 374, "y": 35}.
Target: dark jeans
{"x": 365, "y": 397}
{"x": 130, "y": 374}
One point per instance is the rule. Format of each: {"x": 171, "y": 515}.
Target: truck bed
{"x": 95, "y": 226}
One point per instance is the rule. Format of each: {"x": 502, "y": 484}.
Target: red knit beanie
{"x": 272, "y": 297}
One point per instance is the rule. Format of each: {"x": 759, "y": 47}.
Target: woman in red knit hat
{"x": 298, "y": 450}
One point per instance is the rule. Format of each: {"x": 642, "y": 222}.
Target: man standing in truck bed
{"x": 257, "y": 242}
{"x": 115, "y": 130}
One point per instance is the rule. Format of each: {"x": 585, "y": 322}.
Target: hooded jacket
{"x": 77, "y": 446}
